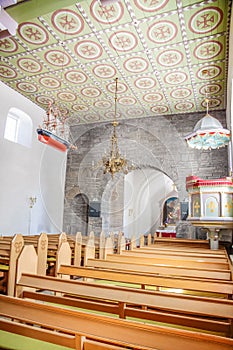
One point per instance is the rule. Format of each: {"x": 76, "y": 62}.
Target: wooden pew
{"x": 161, "y": 270}
{"x": 190, "y": 285}
{"x": 89, "y": 250}
{"x": 145, "y": 240}
{"x": 221, "y": 259}
{"x": 195, "y": 252}
{"x": 10, "y": 249}
{"x": 22, "y": 259}
{"x": 75, "y": 341}
{"x": 144, "y": 258}
{"x": 75, "y": 243}
{"x": 215, "y": 315}
{"x": 206, "y": 256}
{"x": 84, "y": 248}
{"x": 51, "y": 323}
{"x": 181, "y": 242}
{"x": 54, "y": 243}
{"x": 40, "y": 242}
{"x": 48, "y": 248}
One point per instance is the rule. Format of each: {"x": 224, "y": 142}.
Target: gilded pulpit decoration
{"x": 196, "y": 206}
{"x": 211, "y": 204}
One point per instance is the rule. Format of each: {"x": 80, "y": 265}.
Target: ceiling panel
{"x": 168, "y": 56}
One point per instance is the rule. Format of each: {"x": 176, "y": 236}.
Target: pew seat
{"x": 209, "y": 314}
{"x": 57, "y": 324}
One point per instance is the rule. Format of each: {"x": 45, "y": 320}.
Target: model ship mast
{"x": 54, "y": 131}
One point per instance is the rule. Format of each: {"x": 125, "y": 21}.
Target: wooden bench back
{"x": 143, "y": 279}
{"x": 191, "y": 253}
{"x": 40, "y": 242}
{"x": 152, "y": 259}
{"x": 16, "y": 246}
{"x": 176, "y": 302}
{"x": 131, "y": 334}
{"x": 162, "y": 270}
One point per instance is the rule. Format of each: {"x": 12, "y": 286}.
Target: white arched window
{"x": 18, "y": 127}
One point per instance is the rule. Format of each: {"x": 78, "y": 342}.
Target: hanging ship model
{"x": 54, "y": 132}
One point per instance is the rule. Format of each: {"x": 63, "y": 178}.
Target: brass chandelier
{"x": 114, "y": 162}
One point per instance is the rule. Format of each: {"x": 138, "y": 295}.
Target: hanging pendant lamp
{"x": 208, "y": 133}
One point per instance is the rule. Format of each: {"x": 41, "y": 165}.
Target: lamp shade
{"x": 208, "y": 133}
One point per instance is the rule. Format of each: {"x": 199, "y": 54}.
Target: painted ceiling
{"x": 168, "y": 56}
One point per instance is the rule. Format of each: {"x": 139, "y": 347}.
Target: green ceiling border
{"x": 26, "y": 10}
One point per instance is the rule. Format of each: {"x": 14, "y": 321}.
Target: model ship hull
{"x": 50, "y": 139}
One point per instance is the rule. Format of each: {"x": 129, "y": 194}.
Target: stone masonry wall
{"x": 156, "y": 142}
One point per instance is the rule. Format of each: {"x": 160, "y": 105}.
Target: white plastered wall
{"x": 37, "y": 171}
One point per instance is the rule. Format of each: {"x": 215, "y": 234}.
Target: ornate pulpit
{"x": 211, "y": 205}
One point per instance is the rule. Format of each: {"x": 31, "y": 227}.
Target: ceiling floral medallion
{"x": 80, "y": 108}
{"x": 108, "y": 14}
{"x": 75, "y": 76}
{"x": 184, "y": 106}
{"x": 150, "y": 5}
{"x": 180, "y": 93}
{"x": 209, "y": 72}
{"x": 33, "y": 33}
{"x": 210, "y": 89}
{"x": 213, "y": 102}
{"x": 91, "y": 118}
{"x": 50, "y": 82}
{"x": 162, "y": 32}
{"x": 110, "y": 115}
{"x": 27, "y": 87}
{"x": 66, "y": 96}
{"x": 175, "y": 78}
{"x": 8, "y": 45}
{"x": 104, "y": 71}
{"x": 88, "y": 49}
{"x": 145, "y": 83}
{"x": 103, "y": 104}
{"x": 170, "y": 58}
{"x": 135, "y": 112}
{"x": 29, "y": 65}
{"x": 153, "y": 97}
{"x": 136, "y": 64}
{"x": 206, "y": 20}
{"x": 7, "y": 72}
{"x": 57, "y": 58}
{"x": 159, "y": 109}
{"x": 207, "y": 50}
{"x": 67, "y": 22}
{"x": 91, "y": 92}
{"x": 121, "y": 88}
{"x": 44, "y": 100}
{"x": 127, "y": 100}
{"x": 123, "y": 41}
